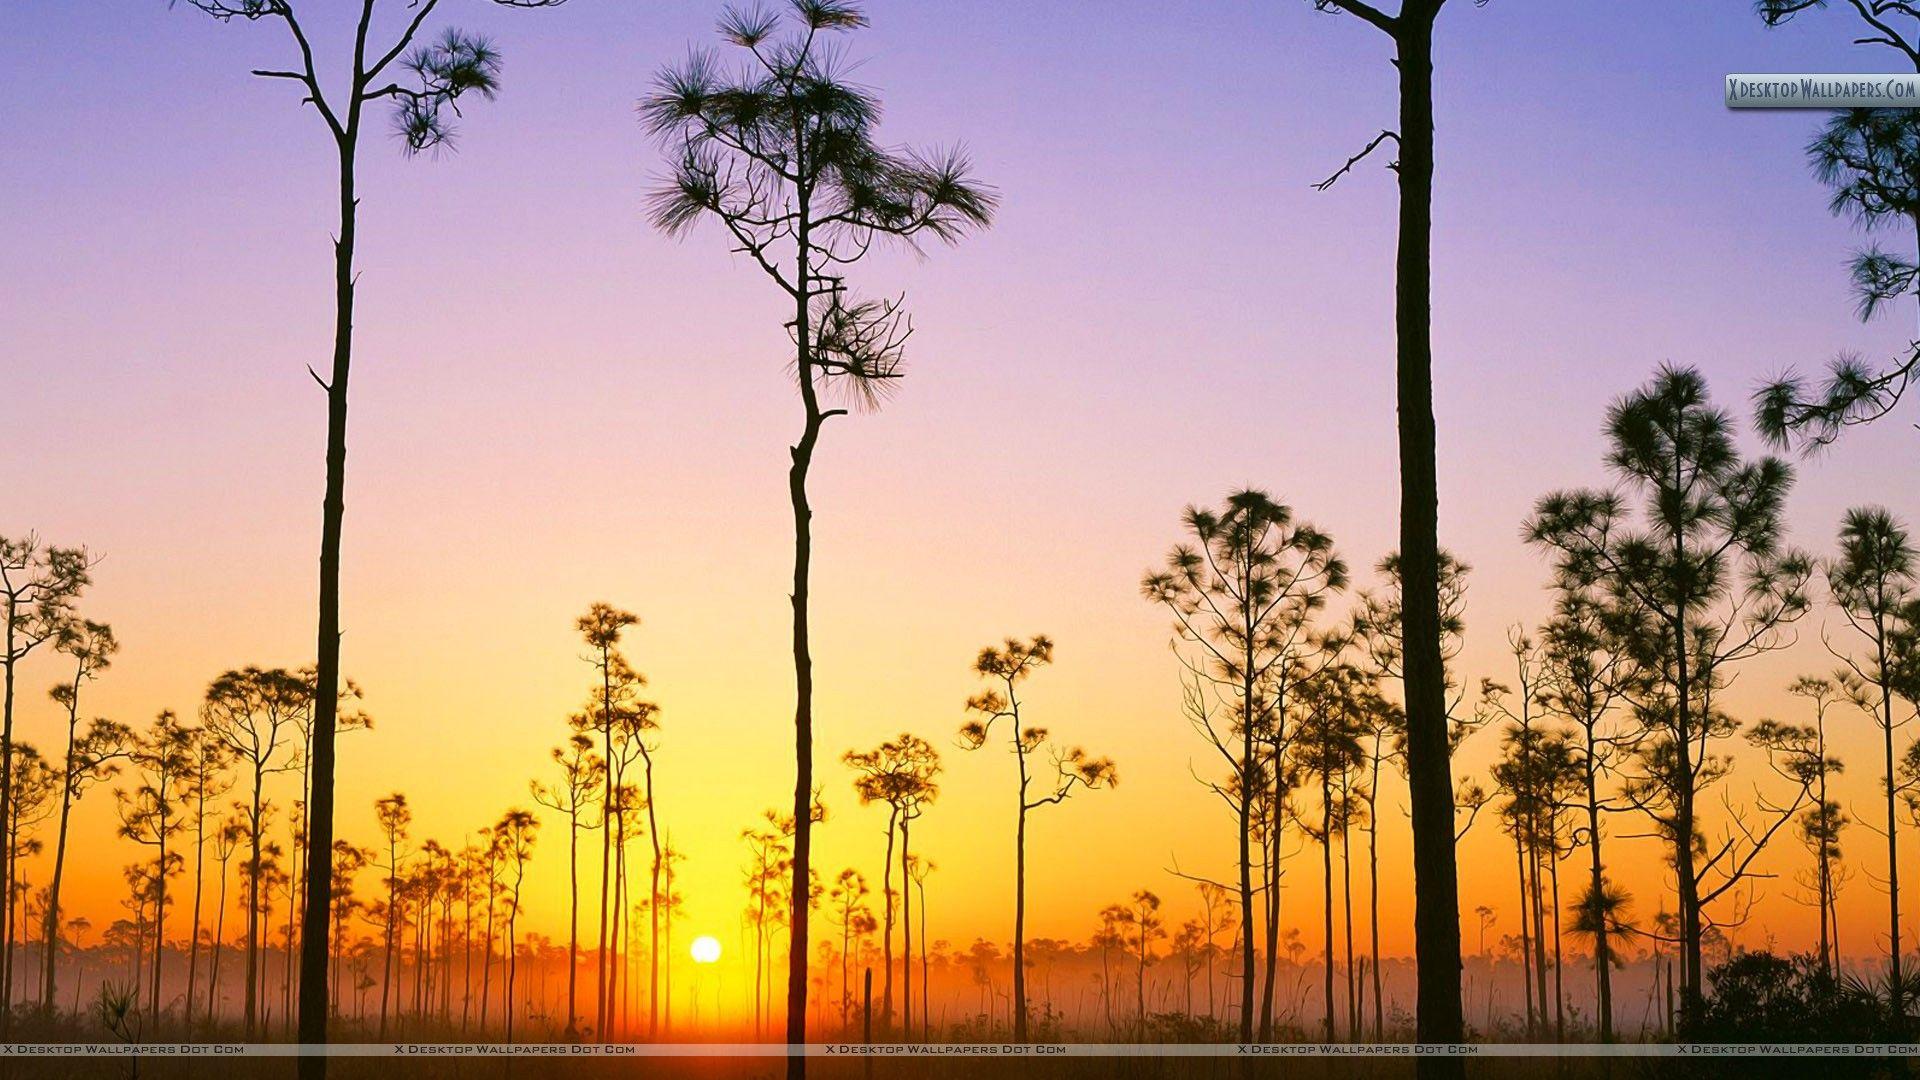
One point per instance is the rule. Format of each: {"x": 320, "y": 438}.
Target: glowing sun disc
{"x": 705, "y": 949}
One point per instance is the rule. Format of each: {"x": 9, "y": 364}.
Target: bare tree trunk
{"x": 506, "y": 1002}
{"x": 486, "y": 963}
{"x": 387, "y": 970}
{"x": 199, "y": 868}
{"x": 573, "y": 918}
{"x": 1373, "y": 906}
{"x": 653, "y": 908}
{"x": 1538, "y": 901}
{"x": 1559, "y": 989}
{"x": 1429, "y": 770}
{"x": 802, "y": 461}
{"x": 607, "y": 812}
{"x": 253, "y": 905}
{"x": 1270, "y": 859}
{"x": 1683, "y": 854}
{"x": 50, "y": 936}
{"x": 1346, "y": 917}
{"x": 926, "y": 1020}
{"x": 159, "y": 915}
{"x": 1602, "y": 946}
{"x": 906, "y": 937}
{"x": 1526, "y": 934}
{"x": 1020, "y": 913}
{"x": 886, "y": 927}
{"x": 219, "y": 933}
{"x": 1326, "y": 884}
{"x": 1244, "y": 806}
{"x": 319, "y": 881}
{"x": 1896, "y": 988}
{"x": 13, "y": 655}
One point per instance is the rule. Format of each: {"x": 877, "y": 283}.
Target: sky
{"x": 555, "y": 404}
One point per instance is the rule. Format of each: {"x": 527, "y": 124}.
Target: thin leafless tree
{"x": 1005, "y": 667}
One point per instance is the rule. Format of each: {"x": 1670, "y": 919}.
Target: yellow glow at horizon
{"x": 705, "y": 949}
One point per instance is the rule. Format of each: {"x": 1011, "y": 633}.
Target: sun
{"x": 705, "y": 949}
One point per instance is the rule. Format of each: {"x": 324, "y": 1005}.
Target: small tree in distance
{"x": 91, "y": 758}
{"x": 900, "y": 773}
{"x": 151, "y": 815}
{"x": 253, "y": 711}
{"x": 581, "y": 773}
{"x": 39, "y": 585}
{"x": 1010, "y": 665}
{"x": 515, "y": 834}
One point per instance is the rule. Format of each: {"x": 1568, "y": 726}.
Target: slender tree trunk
{"x": 1020, "y": 906}
{"x": 1373, "y": 910}
{"x": 1526, "y": 934}
{"x": 666, "y": 892}
{"x": 159, "y": 913}
{"x": 653, "y": 908}
{"x": 1140, "y": 984}
{"x": 139, "y": 951}
{"x": 1244, "y": 807}
{"x": 621, "y": 979}
{"x": 1534, "y": 861}
{"x": 486, "y": 960}
{"x": 1896, "y": 987}
{"x": 199, "y": 867}
{"x": 14, "y": 892}
{"x": 573, "y": 920}
{"x": 802, "y": 461}
{"x": 1346, "y": 916}
{"x": 1602, "y": 948}
{"x": 326, "y": 705}
{"x": 386, "y": 961}
{"x": 1270, "y": 860}
{"x": 253, "y": 904}
{"x": 906, "y": 937}
{"x": 513, "y": 957}
{"x": 466, "y": 958}
{"x": 886, "y": 927}
{"x": 1829, "y": 923}
{"x": 333, "y": 963}
{"x": 50, "y": 936}
{"x": 1429, "y": 770}
{"x": 303, "y": 827}
{"x": 1559, "y": 989}
{"x": 1326, "y": 885}
{"x": 926, "y": 1021}
{"x": 12, "y": 657}
{"x": 1688, "y": 878}
{"x": 606, "y": 848}
{"x": 219, "y": 936}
